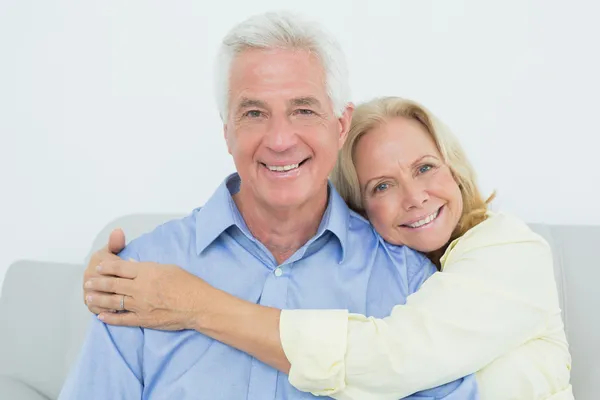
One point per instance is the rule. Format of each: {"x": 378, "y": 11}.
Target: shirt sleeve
{"x": 109, "y": 365}
{"x": 495, "y": 293}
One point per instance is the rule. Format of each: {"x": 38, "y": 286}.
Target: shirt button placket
{"x": 263, "y": 379}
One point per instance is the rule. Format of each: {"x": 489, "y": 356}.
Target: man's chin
{"x": 286, "y": 197}
{"x": 285, "y": 201}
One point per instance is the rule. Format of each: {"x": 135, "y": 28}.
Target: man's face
{"x": 281, "y": 130}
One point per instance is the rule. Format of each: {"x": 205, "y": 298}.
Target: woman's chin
{"x": 427, "y": 244}
{"x": 426, "y": 240}
{"x": 421, "y": 244}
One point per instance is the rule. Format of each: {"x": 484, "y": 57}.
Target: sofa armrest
{"x": 13, "y": 389}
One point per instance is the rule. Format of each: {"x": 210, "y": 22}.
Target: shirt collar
{"x": 336, "y": 219}
{"x": 220, "y": 212}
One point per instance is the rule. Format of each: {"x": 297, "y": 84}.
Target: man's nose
{"x": 281, "y": 134}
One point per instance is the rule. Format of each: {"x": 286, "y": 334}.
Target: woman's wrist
{"x": 212, "y": 309}
{"x": 249, "y": 327}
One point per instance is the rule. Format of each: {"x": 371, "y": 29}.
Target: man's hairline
{"x": 234, "y": 55}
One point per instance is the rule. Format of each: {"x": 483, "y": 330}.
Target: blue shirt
{"x": 346, "y": 265}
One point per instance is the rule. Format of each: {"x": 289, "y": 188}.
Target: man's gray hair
{"x": 283, "y": 30}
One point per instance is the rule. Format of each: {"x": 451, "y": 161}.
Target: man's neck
{"x": 282, "y": 231}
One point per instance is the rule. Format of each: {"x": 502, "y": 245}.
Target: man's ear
{"x": 226, "y": 136}
{"x": 345, "y": 121}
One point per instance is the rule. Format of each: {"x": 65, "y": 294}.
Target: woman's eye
{"x": 425, "y": 168}
{"x": 381, "y": 187}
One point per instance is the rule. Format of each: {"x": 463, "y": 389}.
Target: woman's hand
{"x": 116, "y": 243}
{"x": 166, "y": 297}
{"x": 146, "y": 294}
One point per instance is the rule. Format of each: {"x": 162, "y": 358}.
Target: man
{"x": 274, "y": 233}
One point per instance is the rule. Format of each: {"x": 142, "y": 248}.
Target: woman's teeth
{"x": 425, "y": 220}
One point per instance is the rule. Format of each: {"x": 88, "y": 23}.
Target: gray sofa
{"x": 44, "y": 320}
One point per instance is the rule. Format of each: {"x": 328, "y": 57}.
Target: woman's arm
{"x": 497, "y": 292}
{"x": 166, "y": 297}
{"x": 249, "y": 327}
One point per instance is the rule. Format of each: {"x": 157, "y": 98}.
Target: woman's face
{"x": 409, "y": 193}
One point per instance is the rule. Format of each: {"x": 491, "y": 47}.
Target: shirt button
{"x": 278, "y": 272}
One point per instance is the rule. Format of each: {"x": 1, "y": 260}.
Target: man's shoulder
{"x": 361, "y": 230}
{"x": 416, "y": 263}
{"x": 174, "y": 233}
{"x": 181, "y": 230}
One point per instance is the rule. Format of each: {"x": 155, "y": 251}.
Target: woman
{"x": 493, "y": 309}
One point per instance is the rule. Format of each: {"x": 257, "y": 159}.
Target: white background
{"x": 106, "y": 107}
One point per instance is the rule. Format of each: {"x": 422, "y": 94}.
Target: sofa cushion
{"x": 36, "y": 311}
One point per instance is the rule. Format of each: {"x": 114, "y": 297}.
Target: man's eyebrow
{"x": 305, "y": 101}
{"x": 248, "y": 103}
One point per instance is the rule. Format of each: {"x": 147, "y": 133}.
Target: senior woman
{"x": 491, "y": 310}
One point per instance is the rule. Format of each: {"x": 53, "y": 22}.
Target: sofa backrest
{"x": 577, "y": 271}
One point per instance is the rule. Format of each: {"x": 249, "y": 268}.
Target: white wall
{"x": 106, "y": 107}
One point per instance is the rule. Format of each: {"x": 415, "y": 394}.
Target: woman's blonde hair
{"x": 373, "y": 114}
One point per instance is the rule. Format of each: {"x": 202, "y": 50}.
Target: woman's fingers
{"x": 98, "y": 257}
{"x": 116, "y": 241}
{"x": 110, "y": 285}
{"x": 120, "y": 268}
{"x": 110, "y": 302}
{"x": 90, "y": 300}
{"x": 99, "y": 310}
{"x": 121, "y": 319}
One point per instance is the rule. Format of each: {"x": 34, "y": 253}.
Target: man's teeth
{"x": 281, "y": 168}
{"x": 425, "y": 220}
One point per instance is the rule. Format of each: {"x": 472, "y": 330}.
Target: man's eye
{"x": 304, "y": 111}
{"x": 253, "y": 114}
